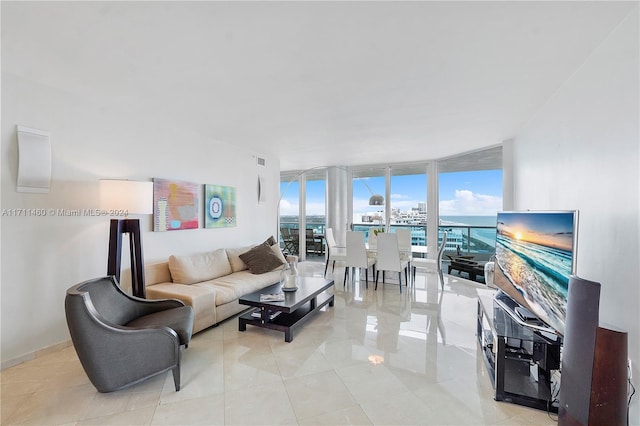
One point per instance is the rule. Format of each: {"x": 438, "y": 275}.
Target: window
{"x": 315, "y": 211}
{"x": 470, "y": 195}
{"x": 289, "y": 209}
{"x": 368, "y": 199}
{"x": 409, "y": 201}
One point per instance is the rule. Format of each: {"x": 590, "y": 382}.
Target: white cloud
{"x": 288, "y": 208}
{"x": 469, "y": 203}
{"x": 315, "y": 209}
{"x": 400, "y": 197}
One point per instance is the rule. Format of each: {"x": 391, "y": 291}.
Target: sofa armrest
{"x": 201, "y": 299}
{"x": 155, "y": 273}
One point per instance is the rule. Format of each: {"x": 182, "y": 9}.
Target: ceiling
{"x": 314, "y": 83}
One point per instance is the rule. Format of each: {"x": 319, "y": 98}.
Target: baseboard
{"x": 35, "y": 354}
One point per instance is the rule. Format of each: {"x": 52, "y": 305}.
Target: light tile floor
{"x": 376, "y": 357}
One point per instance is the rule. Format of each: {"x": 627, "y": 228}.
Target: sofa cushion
{"x": 199, "y": 267}
{"x": 231, "y": 287}
{"x": 261, "y": 259}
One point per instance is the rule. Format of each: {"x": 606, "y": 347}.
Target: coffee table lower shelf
{"x": 285, "y": 322}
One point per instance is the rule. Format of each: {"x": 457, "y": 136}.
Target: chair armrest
{"x": 157, "y": 304}
{"x": 149, "y": 306}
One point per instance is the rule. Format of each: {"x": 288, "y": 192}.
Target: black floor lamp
{"x": 123, "y": 198}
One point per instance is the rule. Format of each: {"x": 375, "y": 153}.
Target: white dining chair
{"x": 357, "y": 256}
{"x": 389, "y": 258}
{"x": 372, "y": 244}
{"x": 404, "y": 244}
{"x": 334, "y": 253}
{"x": 436, "y": 263}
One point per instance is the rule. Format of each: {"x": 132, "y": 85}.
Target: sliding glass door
{"x": 302, "y": 225}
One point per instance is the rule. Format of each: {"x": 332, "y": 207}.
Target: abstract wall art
{"x": 176, "y": 205}
{"x": 220, "y": 206}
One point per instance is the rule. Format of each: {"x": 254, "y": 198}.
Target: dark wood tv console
{"x": 521, "y": 359}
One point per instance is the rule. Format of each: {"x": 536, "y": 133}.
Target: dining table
{"x": 422, "y": 251}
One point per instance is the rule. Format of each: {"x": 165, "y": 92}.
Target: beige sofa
{"x": 211, "y": 283}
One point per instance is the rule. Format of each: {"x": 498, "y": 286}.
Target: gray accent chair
{"x": 120, "y": 339}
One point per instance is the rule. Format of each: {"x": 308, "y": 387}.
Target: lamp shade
{"x": 129, "y": 196}
{"x": 376, "y": 200}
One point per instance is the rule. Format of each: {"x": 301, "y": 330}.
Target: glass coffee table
{"x": 287, "y": 315}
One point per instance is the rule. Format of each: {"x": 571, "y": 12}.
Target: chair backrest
{"x": 404, "y": 239}
{"x": 439, "y": 259}
{"x": 108, "y": 300}
{"x": 441, "y": 249}
{"x": 373, "y": 239}
{"x": 388, "y": 255}
{"x": 356, "y": 250}
{"x": 309, "y": 235}
{"x": 331, "y": 240}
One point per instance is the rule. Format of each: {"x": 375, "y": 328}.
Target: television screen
{"x": 535, "y": 256}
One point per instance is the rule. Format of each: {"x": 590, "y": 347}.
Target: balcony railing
{"x": 479, "y": 241}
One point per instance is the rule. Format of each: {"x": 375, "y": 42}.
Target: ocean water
{"x": 469, "y": 220}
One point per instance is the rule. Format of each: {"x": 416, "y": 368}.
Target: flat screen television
{"x": 535, "y": 256}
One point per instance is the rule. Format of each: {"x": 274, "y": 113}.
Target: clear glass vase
{"x": 289, "y": 276}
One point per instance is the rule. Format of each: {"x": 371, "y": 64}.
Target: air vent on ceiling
{"x": 261, "y": 161}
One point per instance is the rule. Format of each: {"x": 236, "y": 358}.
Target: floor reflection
{"x": 376, "y": 357}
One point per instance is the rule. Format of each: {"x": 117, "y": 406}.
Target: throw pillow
{"x": 234, "y": 254}
{"x": 234, "y": 258}
{"x": 261, "y": 259}
{"x": 278, "y": 252}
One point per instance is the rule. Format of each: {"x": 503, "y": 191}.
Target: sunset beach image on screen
{"x": 535, "y": 255}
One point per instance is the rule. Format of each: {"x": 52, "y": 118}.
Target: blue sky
{"x": 476, "y": 193}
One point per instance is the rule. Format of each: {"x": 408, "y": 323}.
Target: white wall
{"x": 43, "y": 256}
{"x": 581, "y": 152}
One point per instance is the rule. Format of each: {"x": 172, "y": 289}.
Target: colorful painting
{"x": 176, "y": 205}
{"x": 220, "y": 206}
